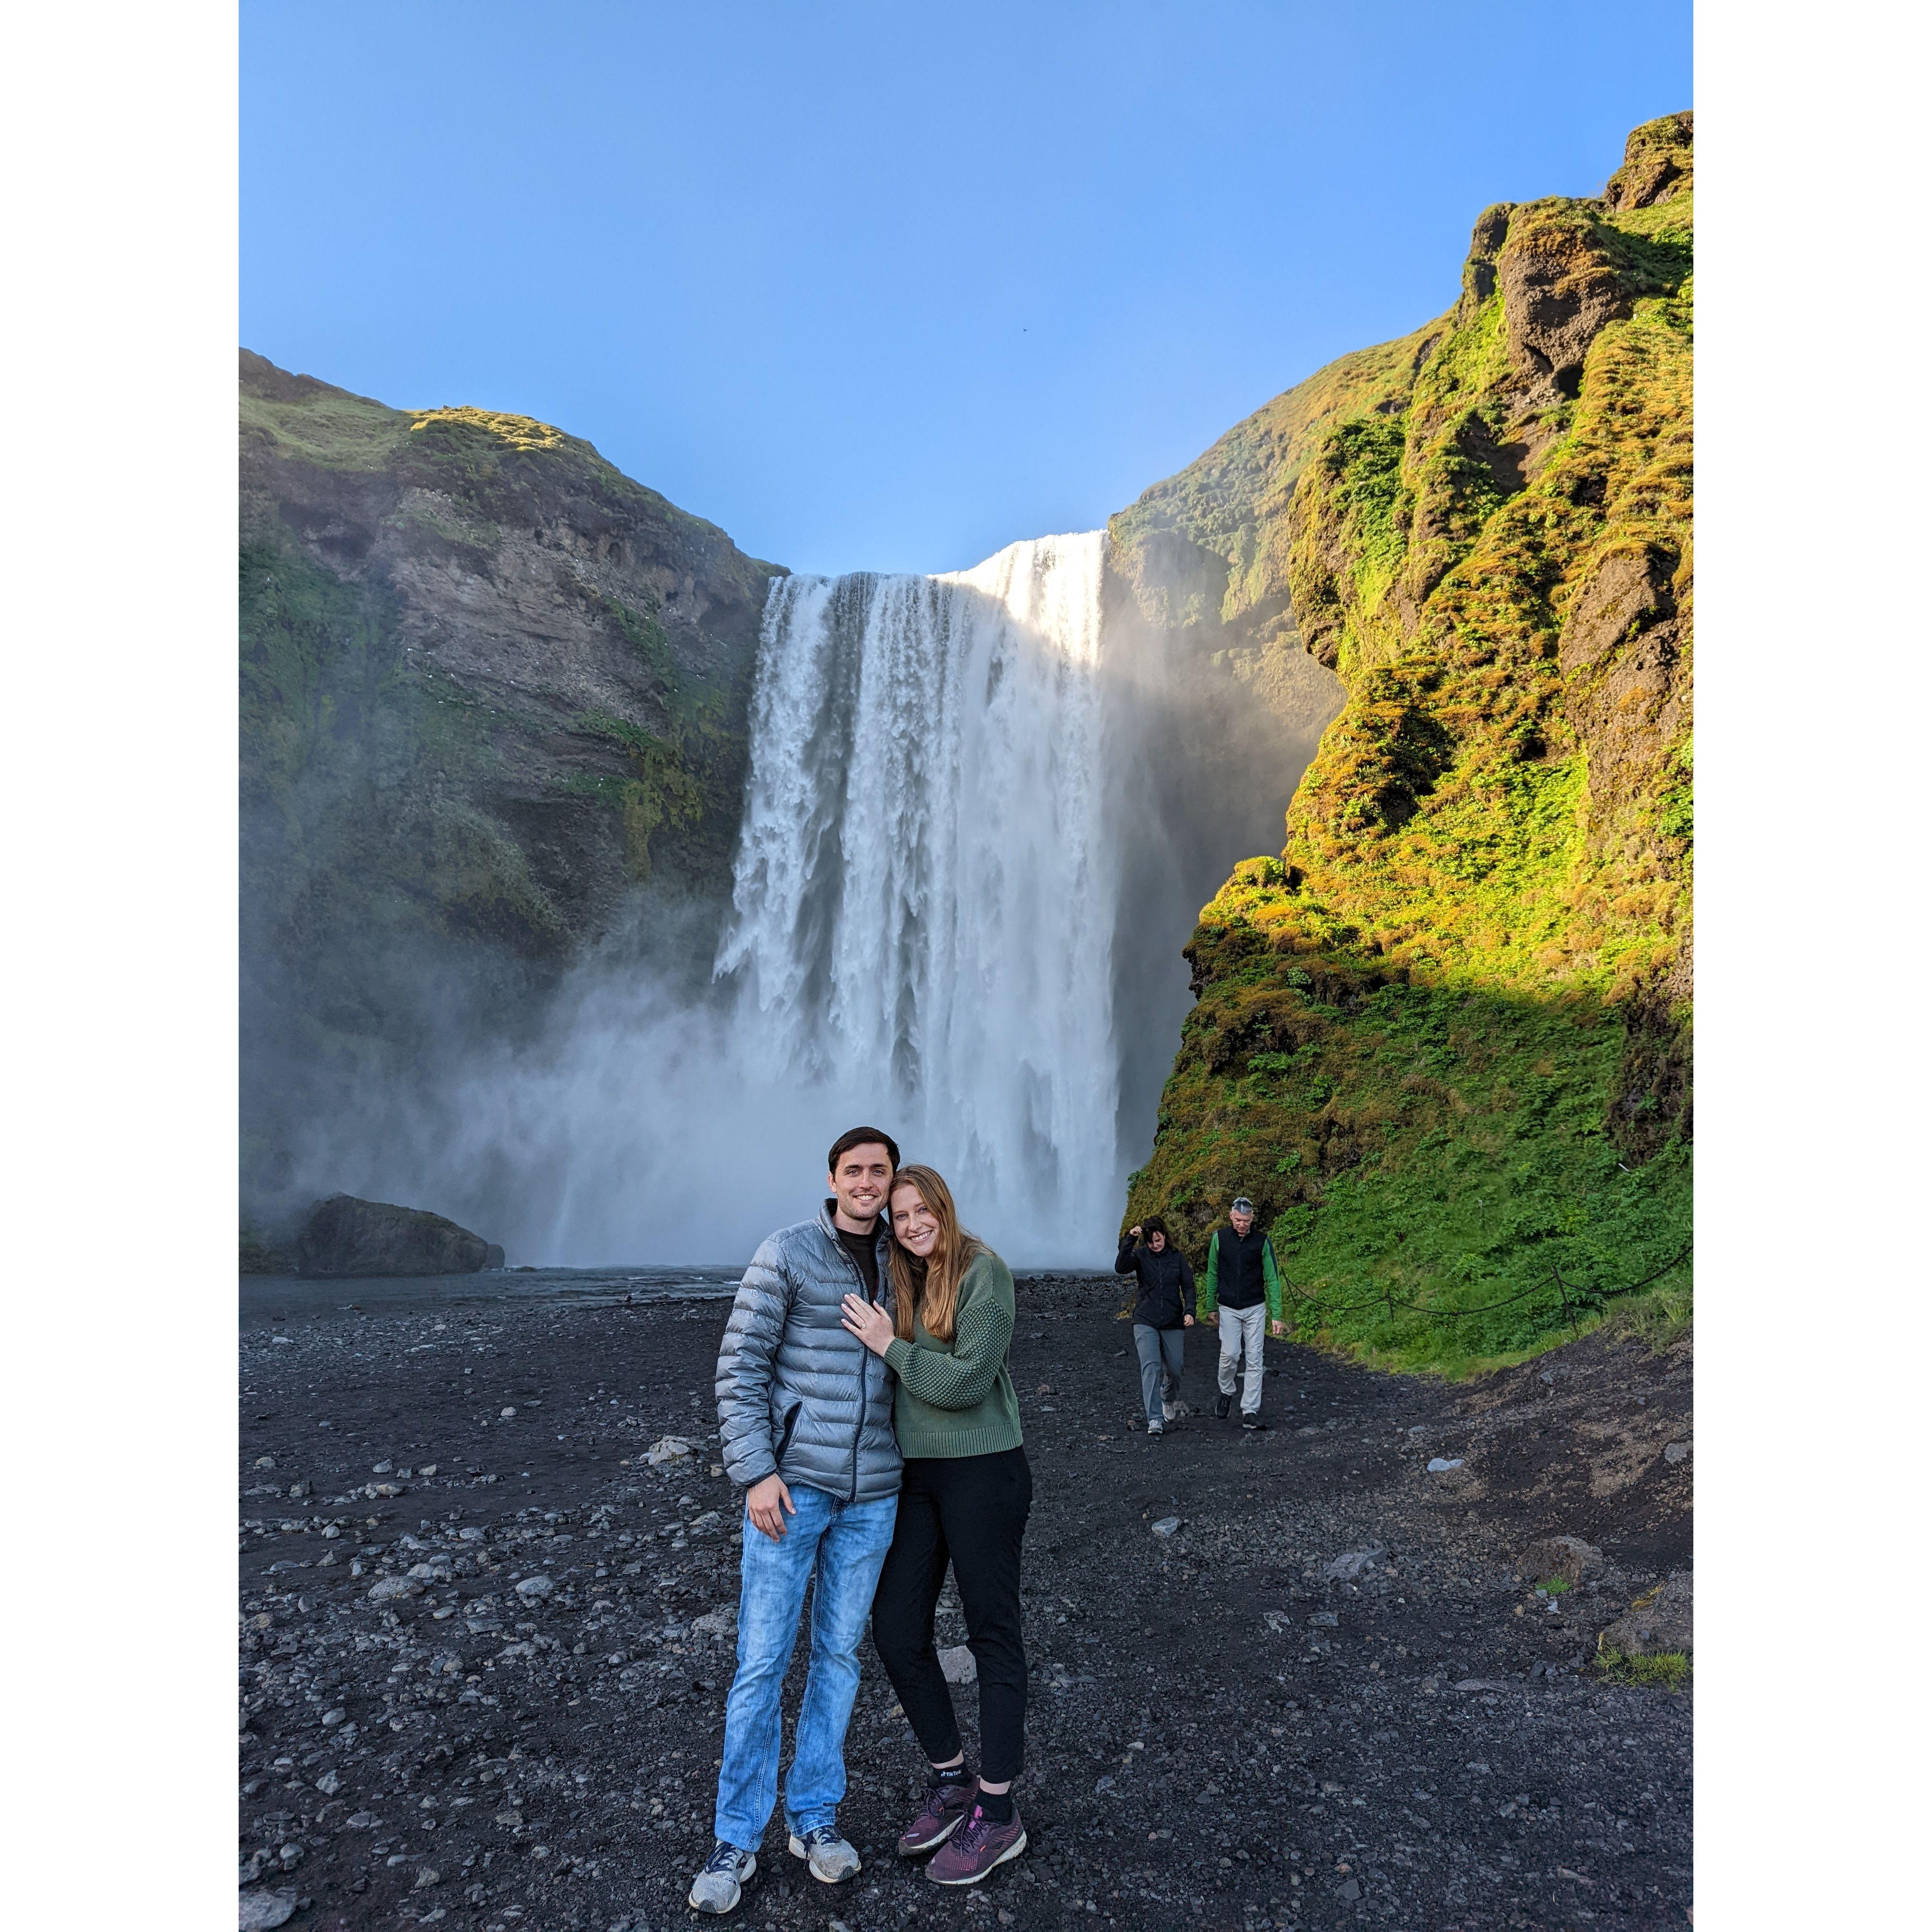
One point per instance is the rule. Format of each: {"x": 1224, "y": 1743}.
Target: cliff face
{"x": 489, "y": 686}
{"x": 1443, "y": 1040}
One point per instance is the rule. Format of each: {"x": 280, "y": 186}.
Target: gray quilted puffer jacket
{"x": 797, "y": 1392}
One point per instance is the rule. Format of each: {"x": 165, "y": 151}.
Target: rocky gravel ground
{"x": 1299, "y": 1678}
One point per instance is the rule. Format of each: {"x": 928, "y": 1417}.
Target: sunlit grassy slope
{"x": 1443, "y": 1039}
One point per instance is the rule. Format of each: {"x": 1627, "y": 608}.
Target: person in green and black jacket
{"x": 1241, "y": 1282}
{"x": 963, "y": 1502}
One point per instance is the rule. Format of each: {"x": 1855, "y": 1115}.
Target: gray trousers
{"x": 1241, "y": 1332}
{"x": 1159, "y": 1350}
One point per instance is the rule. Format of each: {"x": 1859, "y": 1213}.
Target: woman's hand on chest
{"x": 867, "y": 1321}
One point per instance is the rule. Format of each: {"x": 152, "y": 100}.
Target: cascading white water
{"x": 974, "y": 841}
{"x": 925, "y": 888}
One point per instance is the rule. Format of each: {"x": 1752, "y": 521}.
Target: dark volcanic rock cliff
{"x": 490, "y": 686}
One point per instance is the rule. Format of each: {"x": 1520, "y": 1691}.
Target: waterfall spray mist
{"x": 921, "y": 929}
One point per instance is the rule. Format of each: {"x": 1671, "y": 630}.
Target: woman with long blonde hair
{"x": 964, "y": 1498}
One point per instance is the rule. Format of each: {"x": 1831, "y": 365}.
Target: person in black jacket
{"x": 1163, "y": 1311}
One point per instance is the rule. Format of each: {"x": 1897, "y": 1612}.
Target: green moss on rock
{"x": 1443, "y": 1040}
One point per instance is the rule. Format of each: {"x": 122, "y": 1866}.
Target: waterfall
{"x": 976, "y": 833}
{"x": 925, "y": 887}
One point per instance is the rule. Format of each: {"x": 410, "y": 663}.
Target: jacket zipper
{"x": 864, "y": 1361}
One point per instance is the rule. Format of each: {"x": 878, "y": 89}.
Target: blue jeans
{"x": 838, "y": 1546}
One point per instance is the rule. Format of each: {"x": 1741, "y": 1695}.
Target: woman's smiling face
{"x": 1156, "y": 1242}
{"x": 914, "y": 1225}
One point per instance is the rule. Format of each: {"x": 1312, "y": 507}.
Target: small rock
{"x": 426, "y": 1876}
{"x": 1675, "y": 1452}
{"x": 1569, "y": 1557}
{"x": 330, "y": 1719}
{"x": 1352, "y": 1890}
{"x": 427, "y": 1469}
{"x": 382, "y": 1469}
{"x": 328, "y": 1783}
{"x": 958, "y": 1665}
{"x": 1277, "y": 1621}
{"x": 1324, "y": 1620}
{"x": 1346, "y": 1569}
{"x": 1440, "y": 1466}
{"x": 1168, "y": 1525}
{"x": 721, "y": 1622}
{"x": 261, "y": 1910}
{"x": 535, "y": 1589}
{"x": 1654, "y": 1624}
{"x": 386, "y": 1589}
{"x": 667, "y": 1449}
{"x": 504, "y": 1414}
{"x": 362, "y": 1821}
{"x": 265, "y": 1461}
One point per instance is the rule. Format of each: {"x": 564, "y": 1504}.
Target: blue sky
{"x": 888, "y": 286}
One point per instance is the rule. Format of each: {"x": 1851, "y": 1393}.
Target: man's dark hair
{"x": 862, "y": 1137}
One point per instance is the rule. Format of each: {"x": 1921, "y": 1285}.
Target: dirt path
{"x": 1220, "y": 1736}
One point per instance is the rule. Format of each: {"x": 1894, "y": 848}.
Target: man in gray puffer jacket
{"x": 806, "y": 1413}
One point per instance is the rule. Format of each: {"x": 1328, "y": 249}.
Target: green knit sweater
{"x": 956, "y": 1398}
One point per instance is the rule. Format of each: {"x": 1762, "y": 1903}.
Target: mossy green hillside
{"x": 1444, "y": 1040}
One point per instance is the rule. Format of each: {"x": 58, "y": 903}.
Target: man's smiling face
{"x": 859, "y": 1181}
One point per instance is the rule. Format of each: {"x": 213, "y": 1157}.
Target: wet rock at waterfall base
{"x": 352, "y": 1239}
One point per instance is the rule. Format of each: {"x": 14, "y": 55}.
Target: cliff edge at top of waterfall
{"x": 1443, "y": 1038}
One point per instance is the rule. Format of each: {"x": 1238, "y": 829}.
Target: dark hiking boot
{"x": 946, "y": 1802}
{"x": 1221, "y": 1402}
{"x": 1253, "y": 1421}
{"x": 976, "y": 1847}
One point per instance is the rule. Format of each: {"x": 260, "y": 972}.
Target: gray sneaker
{"x": 721, "y": 1884}
{"x": 830, "y": 1859}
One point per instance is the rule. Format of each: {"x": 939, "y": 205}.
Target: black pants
{"x": 971, "y": 1511}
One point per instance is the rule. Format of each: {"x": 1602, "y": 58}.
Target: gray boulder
{"x": 345, "y": 1236}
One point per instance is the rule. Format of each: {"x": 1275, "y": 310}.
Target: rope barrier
{"x": 1583, "y": 1297}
